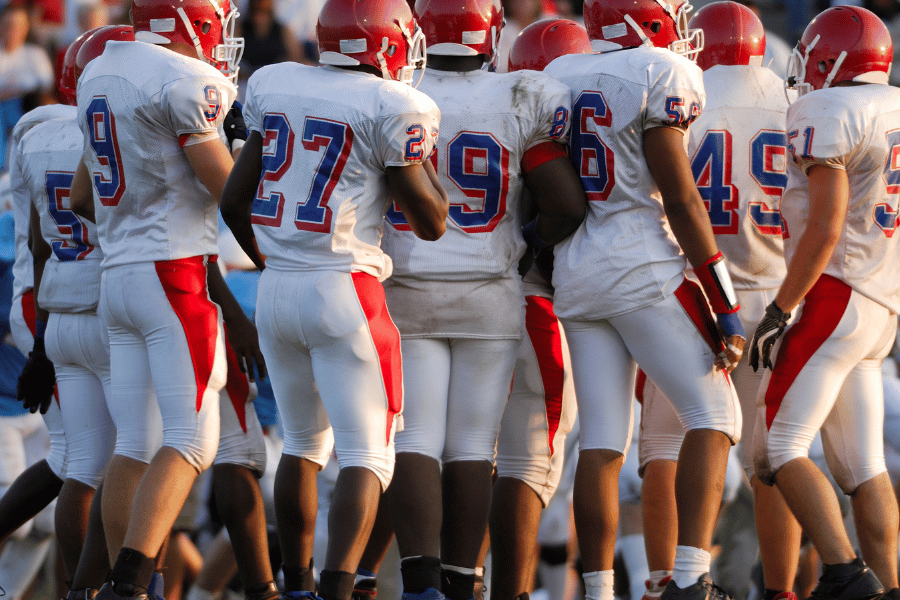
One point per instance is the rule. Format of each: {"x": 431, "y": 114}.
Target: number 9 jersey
{"x": 323, "y": 187}
{"x": 623, "y": 248}
{"x": 149, "y": 204}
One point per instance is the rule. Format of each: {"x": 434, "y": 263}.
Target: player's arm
{"x": 557, "y": 190}
{"x": 241, "y": 331}
{"x": 419, "y": 194}
{"x": 829, "y": 195}
{"x": 238, "y": 195}
{"x": 211, "y": 161}
{"x": 81, "y": 195}
{"x": 689, "y": 220}
{"x": 35, "y": 385}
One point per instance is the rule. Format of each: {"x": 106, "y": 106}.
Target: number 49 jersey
{"x": 737, "y": 150}
{"x": 50, "y": 153}
{"x": 138, "y": 105}
{"x": 622, "y": 257}
{"x": 328, "y": 136}
{"x": 493, "y": 126}
{"x": 856, "y": 129}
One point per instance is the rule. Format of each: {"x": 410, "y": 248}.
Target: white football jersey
{"x": 737, "y": 150}
{"x": 488, "y": 123}
{"x": 856, "y": 129}
{"x": 622, "y": 257}
{"x": 50, "y": 153}
{"x": 138, "y": 104}
{"x": 23, "y": 267}
{"x": 322, "y": 196}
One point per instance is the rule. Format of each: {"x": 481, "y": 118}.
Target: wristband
{"x": 716, "y": 282}
{"x": 40, "y": 327}
{"x": 534, "y": 241}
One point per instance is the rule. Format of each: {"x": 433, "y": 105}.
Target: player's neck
{"x": 455, "y": 63}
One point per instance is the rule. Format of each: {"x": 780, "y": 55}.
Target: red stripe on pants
{"x": 639, "y": 382}
{"x": 386, "y": 339}
{"x": 236, "y": 384}
{"x": 824, "y": 307}
{"x": 184, "y": 282}
{"x": 543, "y": 330}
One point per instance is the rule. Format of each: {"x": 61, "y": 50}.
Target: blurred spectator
{"x": 25, "y": 70}
{"x": 300, "y": 17}
{"x": 519, "y": 14}
{"x": 266, "y": 41}
{"x": 81, "y": 16}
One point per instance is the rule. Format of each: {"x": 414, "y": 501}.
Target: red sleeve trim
{"x": 543, "y": 152}
{"x": 183, "y": 139}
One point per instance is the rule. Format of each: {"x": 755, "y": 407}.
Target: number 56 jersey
{"x": 328, "y": 136}
{"x": 622, "y": 257}
{"x": 150, "y": 206}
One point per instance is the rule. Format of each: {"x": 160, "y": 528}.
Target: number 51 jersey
{"x": 138, "y": 105}
{"x": 328, "y": 136}
{"x": 622, "y": 257}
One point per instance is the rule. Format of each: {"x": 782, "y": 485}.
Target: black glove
{"x": 768, "y": 331}
{"x": 235, "y": 128}
{"x": 38, "y": 378}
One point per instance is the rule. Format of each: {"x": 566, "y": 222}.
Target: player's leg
{"x": 668, "y": 340}
{"x": 93, "y": 566}
{"x": 480, "y": 379}
{"x": 530, "y": 448}
{"x": 357, "y": 366}
{"x": 308, "y": 438}
{"x": 377, "y": 547}
{"x": 416, "y": 503}
{"x": 630, "y": 547}
{"x": 239, "y": 463}
{"x": 604, "y": 407}
{"x": 856, "y": 459}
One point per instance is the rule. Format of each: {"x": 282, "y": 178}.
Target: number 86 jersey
{"x": 328, "y": 136}
{"x": 622, "y": 257}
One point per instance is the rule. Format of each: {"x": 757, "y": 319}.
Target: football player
{"x": 66, "y": 250}
{"x": 541, "y": 407}
{"x": 327, "y": 148}
{"x": 737, "y": 149}
{"x": 841, "y": 205}
{"x": 458, "y": 303}
{"x": 620, "y": 290}
{"x": 152, "y": 172}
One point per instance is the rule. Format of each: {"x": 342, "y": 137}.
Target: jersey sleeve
{"x": 551, "y": 111}
{"x": 408, "y": 136}
{"x": 196, "y": 107}
{"x": 820, "y": 135}
{"x": 675, "y": 94}
{"x": 252, "y": 117}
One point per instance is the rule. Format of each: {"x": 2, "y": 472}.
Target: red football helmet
{"x": 207, "y": 25}
{"x": 542, "y": 42}
{"x": 379, "y": 33}
{"x": 94, "y": 45}
{"x": 629, "y": 23}
{"x": 67, "y": 77}
{"x": 461, "y": 28}
{"x": 843, "y": 43}
{"x": 732, "y": 35}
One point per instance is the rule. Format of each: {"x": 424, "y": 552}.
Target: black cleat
{"x": 704, "y": 589}
{"x": 850, "y": 581}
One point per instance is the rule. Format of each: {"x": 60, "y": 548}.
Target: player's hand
{"x": 38, "y": 378}
{"x": 768, "y": 331}
{"x": 732, "y": 332}
{"x": 245, "y": 342}
{"x": 235, "y": 128}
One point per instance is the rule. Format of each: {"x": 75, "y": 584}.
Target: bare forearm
{"x": 690, "y": 224}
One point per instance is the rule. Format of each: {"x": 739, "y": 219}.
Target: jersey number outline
{"x": 478, "y": 165}
{"x": 313, "y": 214}
{"x": 885, "y": 215}
{"x": 592, "y": 158}
{"x": 75, "y": 245}
{"x": 110, "y": 180}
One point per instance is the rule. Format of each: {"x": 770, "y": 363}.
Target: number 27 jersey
{"x": 328, "y": 136}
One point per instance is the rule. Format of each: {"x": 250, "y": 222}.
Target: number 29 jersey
{"x": 328, "y": 136}
{"x": 856, "y": 129}
{"x": 138, "y": 105}
{"x": 622, "y": 257}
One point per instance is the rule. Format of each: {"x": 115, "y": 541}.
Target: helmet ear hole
{"x": 206, "y": 27}
{"x": 391, "y": 50}
{"x": 656, "y": 26}
{"x": 822, "y": 66}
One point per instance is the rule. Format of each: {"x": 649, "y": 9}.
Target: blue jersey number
{"x": 74, "y": 245}
{"x": 768, "y": 155}
{"x": 278, "y": 149}
{"x": 711, "y": 167}
{"x": 887, "y": 215}
{"x": 109, "y": 181}
{"x": 592, "y": 159}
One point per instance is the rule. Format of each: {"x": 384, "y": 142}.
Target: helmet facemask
{"x": 225, "y": 56}
{"x": 690, "y": 41}
{"x": 416, "y": 56}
